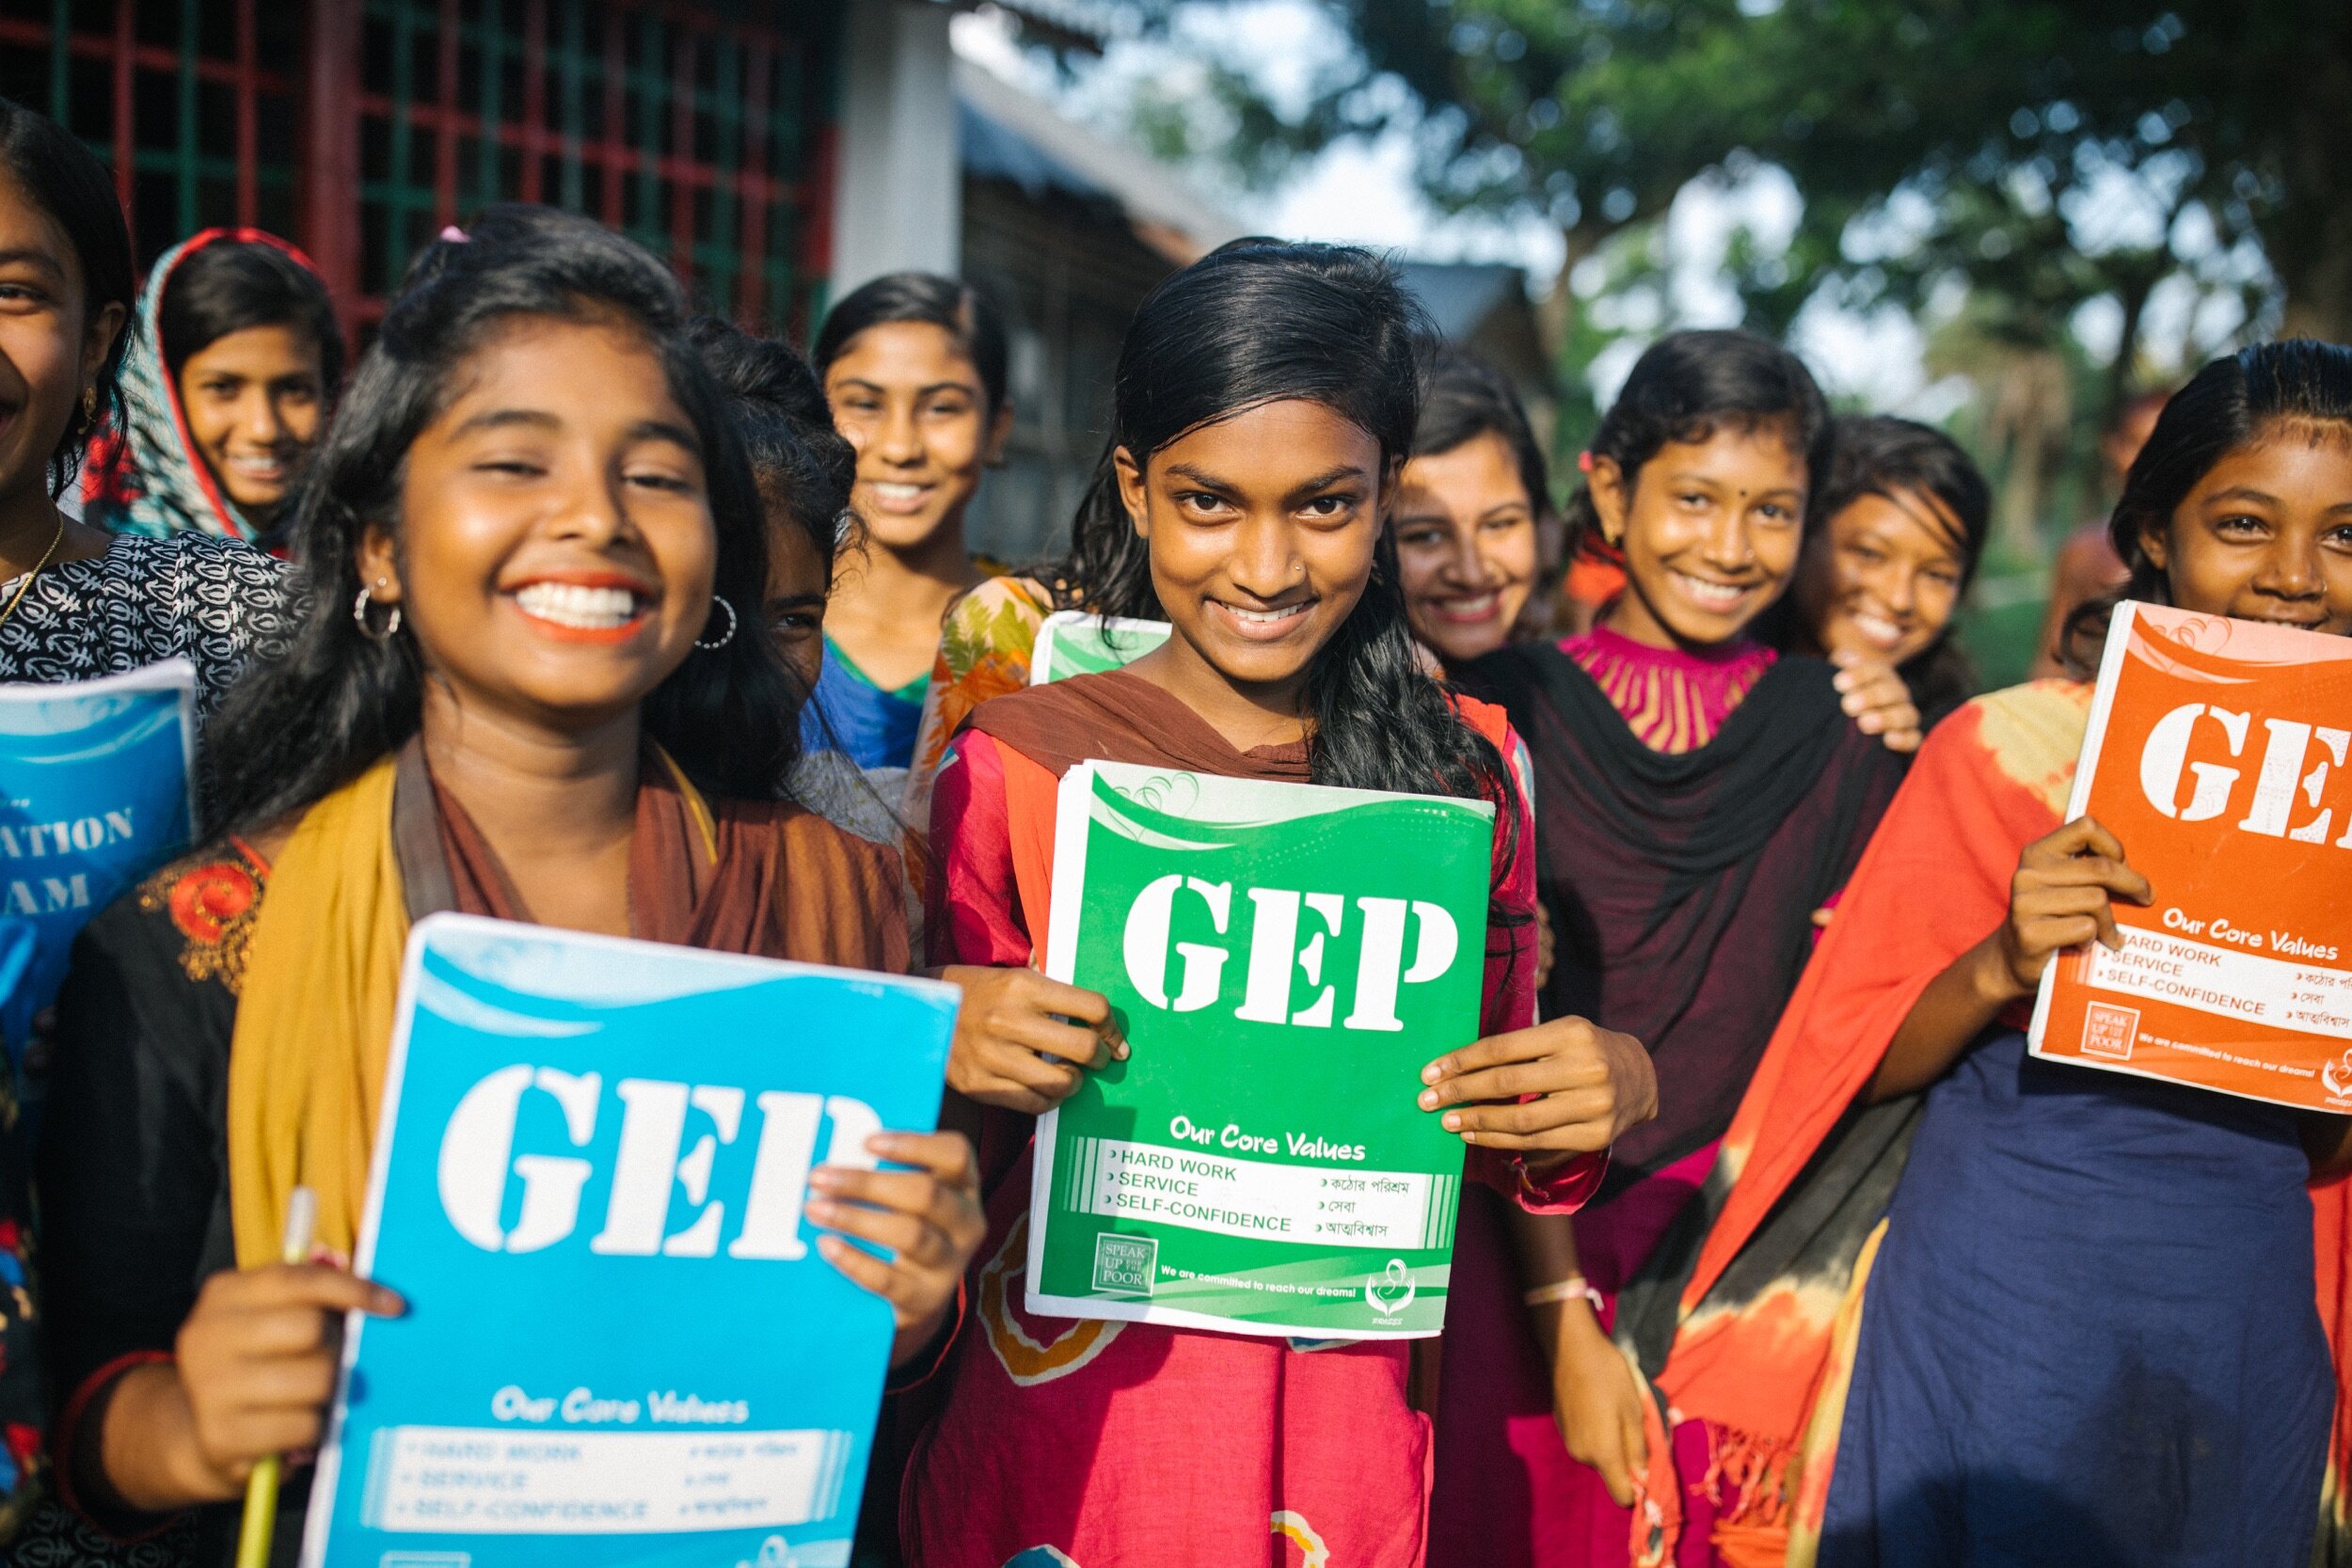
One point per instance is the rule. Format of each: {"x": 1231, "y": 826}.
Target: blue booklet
{"x": 621, "y": 1345}
{"x": 94, "y": 793}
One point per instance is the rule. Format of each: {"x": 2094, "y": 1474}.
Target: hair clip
{"x": 455, "y": 235}
{"x": 1584, "y": 462}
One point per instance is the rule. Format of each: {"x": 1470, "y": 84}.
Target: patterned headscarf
{"x": 144, "y": 475}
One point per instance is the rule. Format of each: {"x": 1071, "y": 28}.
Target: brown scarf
{"x": 1117, "y": 715}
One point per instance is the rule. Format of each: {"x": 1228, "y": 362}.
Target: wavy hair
{"x": 298, "y": 727}
{"x": 2230, "y": 404}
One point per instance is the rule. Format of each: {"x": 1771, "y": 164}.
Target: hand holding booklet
{"x": 1283, "y": 959}
{"x": 621, "y": 1345}
{"x": 2217, "y": 754}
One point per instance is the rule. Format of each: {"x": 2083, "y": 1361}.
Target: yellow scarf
{"x": 314, "y": 1021}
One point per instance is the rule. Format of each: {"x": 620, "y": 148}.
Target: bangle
{"x": 1570, "y": 1288}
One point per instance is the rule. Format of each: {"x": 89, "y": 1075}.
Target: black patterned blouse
{"x": 214, "y": 602}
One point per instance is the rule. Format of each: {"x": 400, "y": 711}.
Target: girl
{"x": 804, "y": 469}
{"x": 77, "y": 603}
{"x": 1906, "y": 514}
{"x": 2088, "y": 1334}
{"x": 232, "y": 366}
{"x": 1700, "y": 798}
{"x": 1264, "y": 398}
{"x": 529, "y": 684}
{"x": 914, "y": 368}
{"x": 1470, "y": 509}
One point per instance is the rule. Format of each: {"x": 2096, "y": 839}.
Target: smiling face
{"x": 254, "y": 402}
{"x": 2266, "y": 535}
{"x": 1466, "y": 546}
{"x": 1262, "y": 529}
{"x": 1884, "y": 577}
{"x": 908, "y": 398}
{"x": 51, "y": 345}
{"x": 1709, "y": 530}
{"x": 556, "y": 547}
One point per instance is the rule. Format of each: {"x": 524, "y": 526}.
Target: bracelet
{"x": 1570, "y": 1288}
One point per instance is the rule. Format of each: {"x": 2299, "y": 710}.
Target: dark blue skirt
{"x": 2089, "y": 1338}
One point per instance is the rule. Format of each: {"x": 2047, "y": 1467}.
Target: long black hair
{"x": 65, "y": 180}
{"x": 1684, "y": 388}
{"x": 232, "y": 285}
{"x": 959, "y": 309}
{"x": 2226, "y": 406}
{"x": 302, "y": 725}
{"x": 1258, "y": 322}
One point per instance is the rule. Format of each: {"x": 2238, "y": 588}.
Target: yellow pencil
{"x": 261, "y": 1488}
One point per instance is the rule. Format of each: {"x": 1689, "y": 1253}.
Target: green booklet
{"x": 1072, "y": 642}
{"x": 1284, "y": 959}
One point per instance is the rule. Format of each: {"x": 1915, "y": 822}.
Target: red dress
{"x": 1123, "y": 1445}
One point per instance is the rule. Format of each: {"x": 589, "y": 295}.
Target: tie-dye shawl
{"x": 1745, "y": 1319}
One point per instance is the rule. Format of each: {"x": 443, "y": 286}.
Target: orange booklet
{"x": 2219, "y": 752}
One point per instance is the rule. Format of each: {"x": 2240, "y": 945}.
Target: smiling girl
{"x": 1699, "y": 797}
{"x": 1469, "y": 507}
{"x": 529, "y": 683}
{"x": 1264, "y": 398}
{"x": 233, "y": 363}
{"x": 914, "y": 367}
{"x": 2088, "y": 1333}
{"x": 75, "y": 601}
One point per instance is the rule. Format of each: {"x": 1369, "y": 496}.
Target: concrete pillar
{"x": 898, "y": 185}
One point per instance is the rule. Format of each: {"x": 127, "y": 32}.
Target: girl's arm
{"x": 1594, "y": 1399}
{"x": 2060, "y": 897}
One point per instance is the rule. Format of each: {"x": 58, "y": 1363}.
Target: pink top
{"x": 1093, "y": 1443}
{"x": 1674, "y": 699}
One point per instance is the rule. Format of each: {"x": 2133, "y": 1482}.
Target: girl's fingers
{"x": 947, "y": 1155}
{"x": 283, "y": 1382}
{"x": 1050, "y": 1036}
{"x": 861, "y": 1268}
{"x": 1089, "y": 1008}
{"x": 903, "y": 1235}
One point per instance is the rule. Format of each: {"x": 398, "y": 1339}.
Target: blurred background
{"x": 2021, "y": 221}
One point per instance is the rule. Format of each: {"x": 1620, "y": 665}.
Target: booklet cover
{"x": 621, "y": 1345}
{"x": 96, "y": 781}
{"x": 1071, "y": 642}
{"x": 2216, "y": 752}
{"x": 1284, "y": 959}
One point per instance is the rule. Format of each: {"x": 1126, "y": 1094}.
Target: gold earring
{"x": 90, "y": 403}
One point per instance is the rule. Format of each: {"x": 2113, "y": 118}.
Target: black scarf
{"x": 1682, "y": 886}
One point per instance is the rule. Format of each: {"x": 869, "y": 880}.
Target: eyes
{"x": 658, "y": 478}
{"x": 1332, "y": 506}
{"x": 227, "y": 388}
{"x": 1868, "y": 555}
{"x": 1774, "y": 512}
{"x": 793, "y": 622}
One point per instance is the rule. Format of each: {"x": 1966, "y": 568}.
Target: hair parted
{"x": 65, "y": 180}
{"x": 961, "y": 310}
{"x": 232, "y": 285}
{"x": 298, "y": 727}
{"x": 1463, "y": 398}
{"x": 1258, "y": 322}
{"x": 1686, "y": 387}
{"x": 2232, "y": 403}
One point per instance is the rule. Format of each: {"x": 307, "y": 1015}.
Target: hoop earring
{"x": 724, "y": 637}
{"x": 359, "y": 614}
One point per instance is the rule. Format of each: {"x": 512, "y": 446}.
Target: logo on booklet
{"x": 1391, "y": 1293}
{"x": 2336, "y": 1077}
{"x": 2110, "y": 1032}
{"x": 1125, "y": 1265}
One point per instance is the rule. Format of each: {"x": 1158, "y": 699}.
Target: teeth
{"x": 1472, "y": 609}
{"x": 572, "y": 604}
{"x": 261, "y": 467}
{"x": 897, "y": 492}
{"x": 1711, "y": 596}
{"x": 1265, "y": 617}
{"x": 1877, "y": 629}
